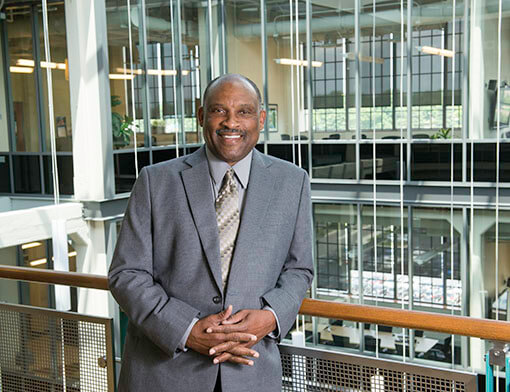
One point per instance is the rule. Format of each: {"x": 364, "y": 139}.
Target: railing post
{"x": 498, "y": 355}
{"x": 489, "y": 374}
{"x": 507, "y": 372}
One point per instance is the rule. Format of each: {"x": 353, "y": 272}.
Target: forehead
{"x": 236, "y": 89}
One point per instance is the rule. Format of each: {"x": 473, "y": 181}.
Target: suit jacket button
{"x": 216, "y": 299}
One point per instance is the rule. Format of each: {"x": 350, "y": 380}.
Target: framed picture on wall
{"x": 272, "y": 118}
{"x": 61, "y": 126}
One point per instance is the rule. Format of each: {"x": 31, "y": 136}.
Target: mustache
{"x": 230, "y": 130}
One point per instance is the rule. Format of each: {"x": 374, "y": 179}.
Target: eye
{"x": 217, "y": 111}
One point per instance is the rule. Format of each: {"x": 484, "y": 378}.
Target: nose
{"x": 230, "y": 121}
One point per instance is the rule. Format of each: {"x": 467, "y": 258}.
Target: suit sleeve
{"x": 161, "y": 318}
{"x": 297, "y": 273}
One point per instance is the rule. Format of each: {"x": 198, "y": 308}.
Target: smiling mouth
{"x": 230, "y": 134}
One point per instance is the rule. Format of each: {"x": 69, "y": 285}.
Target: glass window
{"x": 5, "y": 175}
{"x": 23, "y": 77}
{"x": 60, "y": 79}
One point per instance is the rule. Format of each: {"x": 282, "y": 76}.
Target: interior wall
{"x": 489, "y": 266}
{"x": 279, "y": 82}
{"x": 117, "y": 86}
{"x": 245, "y": 57}
{"x": 61, "y": 103}
{"x": 490, "y": 48}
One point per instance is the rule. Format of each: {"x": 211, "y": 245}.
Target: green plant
{"x": 122, "y": 126}
{"x": 442, "y": 133}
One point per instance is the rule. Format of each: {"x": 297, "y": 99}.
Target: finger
{"x": 219, "y": 317}
{"x": 232, "y": 358}
{"x": 227, "y": 346}
{"x": 240, "y": 327}
{"x": 240, "y": 360}
{"x": 222, "y": 358}
{"x": 225, "y": 314}
{"x": 241, "y": 351}
{"x": 218, "y": 338}
{"x": 241, "y": 337}
{"x": 235, "y": 318}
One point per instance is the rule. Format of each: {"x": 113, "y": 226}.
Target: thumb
{"x": 225, "y": 314}
{"x": 236, "y": 318}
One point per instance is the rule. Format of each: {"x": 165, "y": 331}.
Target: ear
{"x": 262, "y": 119}
{"x": 201, "y": 116}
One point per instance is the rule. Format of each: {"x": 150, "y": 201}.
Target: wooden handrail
{"x": 75, "y": 279}
{"x": 457, "y": 325}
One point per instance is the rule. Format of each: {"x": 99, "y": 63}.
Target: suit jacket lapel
{"x": 197, "y": 182}
{"x": 257, "y": 200}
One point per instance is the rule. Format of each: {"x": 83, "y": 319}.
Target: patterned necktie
{"x": 227, "y": 217}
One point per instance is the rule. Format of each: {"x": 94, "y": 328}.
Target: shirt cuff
{"x": 276, "y": 333}
{"x": 181, "y": 347}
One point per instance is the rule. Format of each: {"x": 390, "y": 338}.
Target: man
{"x": 214, "y": 257}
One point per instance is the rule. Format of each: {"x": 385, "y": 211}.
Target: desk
{"x": 387, "y": 340}
{"x": 322, "y": 329}
{"x": 422, "y": 345}
{"x": 326, "y": 335}
{"x": 348, "y": 332}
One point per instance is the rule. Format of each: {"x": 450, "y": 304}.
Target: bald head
{"x": 231, "y": 117}
{"x": 213, "y": 84}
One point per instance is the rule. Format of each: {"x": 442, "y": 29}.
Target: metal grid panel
{"x": 317, "y": 370}
{"x": 45, "y": 350}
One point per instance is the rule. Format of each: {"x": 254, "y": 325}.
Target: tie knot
{"x": 229, "y": 176}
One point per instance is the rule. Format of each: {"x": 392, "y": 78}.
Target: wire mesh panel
{"x": 315, "y": 370}
{"x": 46, "y": 350}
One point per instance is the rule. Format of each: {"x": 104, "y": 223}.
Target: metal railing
{"x": 47, "y": 350}
{"x": 317, "y": 370}
{"x": 306, "y": 369}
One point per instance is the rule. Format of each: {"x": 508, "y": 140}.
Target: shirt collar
{"x": 218, "y": 168}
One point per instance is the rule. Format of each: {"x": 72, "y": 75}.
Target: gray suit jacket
{"x": 166, "y": 270}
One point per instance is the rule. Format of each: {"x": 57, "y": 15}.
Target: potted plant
{"x": 122, "y": 126}
{"x": 442, "y": 133}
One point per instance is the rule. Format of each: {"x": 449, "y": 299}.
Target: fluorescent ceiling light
{"x": 37, "y": 262}
{"x": 121, "y": 77}
{"x": 154, "y": 72}
{"x": 436, "y": 51}
{"x": 303, "y": 63}
{"x": 31, "y": 245}
{"x": 25, "y": 62}
{"x": 44, "y": 64}
{"x": 26, "y": 70}
{"x": 163, "y": 72}
{"x": 365, "y": 59}
{"x": 129, "y": 71}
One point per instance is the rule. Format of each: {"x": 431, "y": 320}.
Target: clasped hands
{"x": 230, "y": 337}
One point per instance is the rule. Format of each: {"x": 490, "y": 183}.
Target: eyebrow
{"x": 243, "y": 106}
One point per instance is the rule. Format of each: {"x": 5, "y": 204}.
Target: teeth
{"x": 232, "y": 136}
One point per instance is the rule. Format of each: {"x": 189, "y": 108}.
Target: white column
{"x": 478, "y": 108}
{"x": 87, "y": 47}
{"x": 477, "y": 288}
